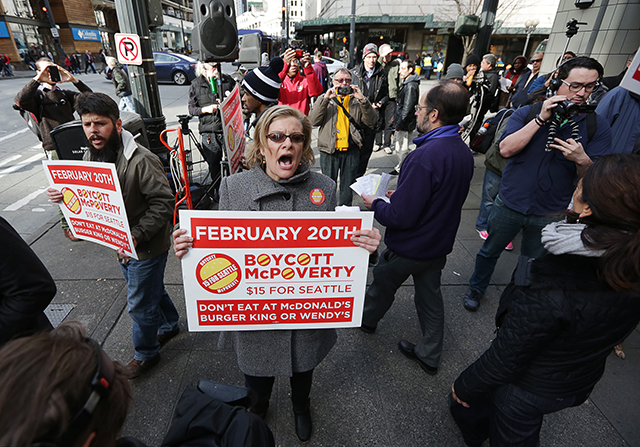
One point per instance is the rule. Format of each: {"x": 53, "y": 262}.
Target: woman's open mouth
{"x": 285, "y": 161}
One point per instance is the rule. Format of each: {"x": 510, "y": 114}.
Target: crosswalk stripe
{"x": 25, "y": 200}
{"x": 22, "y": 164}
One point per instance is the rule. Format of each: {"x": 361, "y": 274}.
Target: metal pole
{"x": 483, "y": 40}
{"x": 526, "y": 44}
{"x": 352, "y": 34}
{"x": 284, "y": 25}
{"x": 56, "y": 40}
{"x": 133, "y": 19}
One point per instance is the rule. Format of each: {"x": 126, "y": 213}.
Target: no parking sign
{"x": 128, "y": 48}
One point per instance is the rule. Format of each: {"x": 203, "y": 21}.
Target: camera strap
{"x": 349, "y": 117}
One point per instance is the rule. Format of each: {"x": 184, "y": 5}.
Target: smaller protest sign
{"x": 631, "y": 80}
{"x": 92, "y": 202}
{"x": 233, "y": 128}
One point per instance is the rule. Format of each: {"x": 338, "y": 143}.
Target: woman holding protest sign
{"x": 280, "y": 179}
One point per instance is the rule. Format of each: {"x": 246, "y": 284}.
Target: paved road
{"x": 23, "y": 200}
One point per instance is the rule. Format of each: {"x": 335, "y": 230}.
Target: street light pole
{"x": 133, "y": 19}
{"x": 56, "y": 39}
{"x": 352, "y": 34}
{"x": 531, "y": 26}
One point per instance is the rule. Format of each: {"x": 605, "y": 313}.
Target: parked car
{"x": 333, "y": 64}
{"x": 173, "y": 67}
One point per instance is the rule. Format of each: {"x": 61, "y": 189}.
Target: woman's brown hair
{"x": 611, "y": 188}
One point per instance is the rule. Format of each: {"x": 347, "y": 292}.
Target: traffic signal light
{"x": 344, "y": 40}
{"x": 44, "y": 9}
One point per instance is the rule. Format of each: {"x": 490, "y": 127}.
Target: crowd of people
{"x": 574, "y": 292}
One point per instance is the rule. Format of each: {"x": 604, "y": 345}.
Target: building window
{"x": 18, "y": 8}
{"x": 100, "y": 17}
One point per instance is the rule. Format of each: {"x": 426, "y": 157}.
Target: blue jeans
{"x": 490, "y": 188}
{"x": 514, "y": 416}
{"x": 392, "y": 270}
{"x": 504, "y": 225}
{"x": 150, "y": 307}
{"x": 345, "y": 163}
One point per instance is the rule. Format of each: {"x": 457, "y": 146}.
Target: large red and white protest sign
{"x": 233, "y": 127}
{"x": 92, "y": 202}
{"x": 274, "y": 270}
{"x": 631, "y": 80}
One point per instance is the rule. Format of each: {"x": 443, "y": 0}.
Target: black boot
{"x": 302, "y": 420}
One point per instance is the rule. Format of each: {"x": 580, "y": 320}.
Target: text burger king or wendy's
{"x": 92, "y": 202}
{"x": 274, "y": 270}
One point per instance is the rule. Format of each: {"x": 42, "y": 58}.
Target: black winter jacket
{"x": 27, "y": 287}
{"x": 376, "y": 89}
{"x": 200, "y": 96}
{"x": 557, "y": 333}
{"x": 408, "y": 97}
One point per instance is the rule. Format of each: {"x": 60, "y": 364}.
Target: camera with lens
{"x": 344, "y": 90}
{"x": 566, "y": 109}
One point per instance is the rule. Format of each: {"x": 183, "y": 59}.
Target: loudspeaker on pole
{"x": 215, "y": 34}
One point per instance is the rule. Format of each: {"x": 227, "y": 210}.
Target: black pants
{"x": 368, "y": 138}
{"x": 300, "y": 389}
{"x": 383, "y": 137}
{"x": 212, "y": 143}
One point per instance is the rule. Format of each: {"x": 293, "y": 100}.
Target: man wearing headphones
{"x": 547, "y": 153}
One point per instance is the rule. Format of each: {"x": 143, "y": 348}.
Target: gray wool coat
{"x": 277, "y": 352}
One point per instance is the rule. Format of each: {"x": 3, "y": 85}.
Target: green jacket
{"x": 147, "y": 196}
{"x": 393, "y": 77}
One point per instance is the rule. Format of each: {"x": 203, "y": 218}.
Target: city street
{"x": 365, "y": 392}
{"x": 23, "y": 198}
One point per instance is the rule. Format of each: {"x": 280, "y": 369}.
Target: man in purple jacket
{"x": 422, "y": 219}
{"x": 321, "y": 70}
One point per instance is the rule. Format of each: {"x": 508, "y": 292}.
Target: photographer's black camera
{"x": 344, "y": 90}
{"x": 566, "y": 109}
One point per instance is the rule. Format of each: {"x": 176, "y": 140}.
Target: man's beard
{"x": 109, "y": 152}
{"x": 424, "y": 126}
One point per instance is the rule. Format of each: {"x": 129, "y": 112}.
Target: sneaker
{"x": 471, "y": 300}
{"x": 483, "y": 235}
{"x": 394, "y": 172}
{"x": 135, "y": 368}
{"x": 388, "y": 150}
{"x": 376, "y": 148}
{"x": 509, "y": 247}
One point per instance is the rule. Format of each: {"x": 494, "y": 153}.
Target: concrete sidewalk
{"x": 365, "y": 392}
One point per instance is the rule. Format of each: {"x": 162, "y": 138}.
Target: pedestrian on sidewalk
{"x": 89, "y": 62}
{"x": 149, "y": 202}
{"x": 422, "y": 219}
{"x": 373, "y": 82}
{"x": 120, "y": 80}
{"x": 204, "y": 103}
{"x": 561, "y": 315}
{"x": 280, "y": 158}
{"x": 51, "y": 106}
{"x": 537, "y": 184}
{"x": 405, "y": 114}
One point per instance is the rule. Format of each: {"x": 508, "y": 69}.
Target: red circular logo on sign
{"x": 218, "y": 273}
{"x": 317, "y": 196}
{"x": 71, "y": 201}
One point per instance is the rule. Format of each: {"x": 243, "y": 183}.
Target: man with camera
{"x": 51, "y": 106}
{"x": 549, "y": 145}
{"x": 341, "y": 113}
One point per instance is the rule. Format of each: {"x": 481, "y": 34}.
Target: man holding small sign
{"x": 149, "y": 204}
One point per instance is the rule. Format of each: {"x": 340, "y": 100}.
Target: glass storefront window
{"x": 25, "y": 36}
{"x": 18, "y": 8}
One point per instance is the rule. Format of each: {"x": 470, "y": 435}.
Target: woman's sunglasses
{"x": 278, "y": 137}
